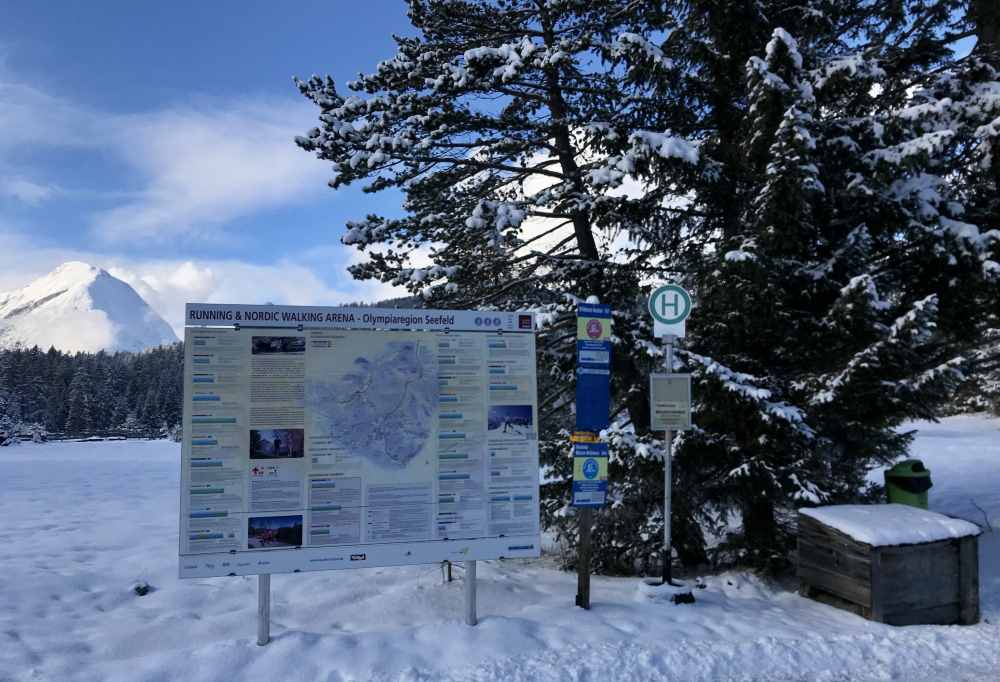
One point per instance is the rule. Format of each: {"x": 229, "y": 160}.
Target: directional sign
{"x": 590, "y": 474}
{"x": 670, "y": 306}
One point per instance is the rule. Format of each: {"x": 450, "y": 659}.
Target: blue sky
{"x": 155, "y": 140}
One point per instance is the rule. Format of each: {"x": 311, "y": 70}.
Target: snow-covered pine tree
{"x": 80, "y": 398}
{"x": 966, "y": 97}
{"x": 782, "y": 158}
{"x": 495, "y": 121}
{"x": 841, "y": 288}
{"x": 10, "y": 418}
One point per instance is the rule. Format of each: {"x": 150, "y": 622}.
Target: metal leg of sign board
{"x": 583, "y": 558}
{"x": 470, "y": 593}
{"x": 263, "y": 609}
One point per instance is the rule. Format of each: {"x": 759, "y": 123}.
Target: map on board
{"x": 383, "y": 406}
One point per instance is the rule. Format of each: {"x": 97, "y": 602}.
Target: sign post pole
{"x": 470, "y": 593}
{"x": 590, "y": 490}
{"x": 593, "y": 400}
{"x": 263, "y": 609}
{"x": 585, "y": 519}
{"x": 669, "y": 306}
{"x": 668, "y": 362}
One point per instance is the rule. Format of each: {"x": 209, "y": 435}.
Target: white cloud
{"x": 29, "y": 192}
{"x": 168, "y": 285}
{"x": 200, "y": 165}
{"x": 30, "y": 116}
{"x": 206, "y": 167}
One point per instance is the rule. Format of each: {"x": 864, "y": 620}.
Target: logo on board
{"x": 595, "y": 329}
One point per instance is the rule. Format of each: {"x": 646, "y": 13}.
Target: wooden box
{"x": 904, "y": 583}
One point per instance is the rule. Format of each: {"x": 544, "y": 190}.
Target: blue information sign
{"x": 593, "y": 366}
{"x": 590, "y": 474}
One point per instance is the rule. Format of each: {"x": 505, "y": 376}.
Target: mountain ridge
{"x": 80, "y": 307}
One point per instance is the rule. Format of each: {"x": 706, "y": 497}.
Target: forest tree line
{"x": 79, "y": 394}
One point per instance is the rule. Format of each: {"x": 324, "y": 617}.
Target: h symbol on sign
{"x": 673, "y": 303}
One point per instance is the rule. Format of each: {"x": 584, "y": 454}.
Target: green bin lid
{"x": 910, "y": 468}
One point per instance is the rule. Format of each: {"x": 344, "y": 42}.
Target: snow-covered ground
{"x": 84, "y": 521}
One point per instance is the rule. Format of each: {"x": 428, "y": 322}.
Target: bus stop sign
{"x": 670, "y": 306}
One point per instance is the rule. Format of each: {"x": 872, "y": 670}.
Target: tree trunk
{"x": 564, "y": 146}
{"x": 986, "y": 15}
{"x": 759, "y": 526}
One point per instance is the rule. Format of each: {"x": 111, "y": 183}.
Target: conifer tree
{"x": 80, "y": 417}
{"x": 495, "y": 121}
{"x": 802, "y": 167}
{"x": 840, "y": 288}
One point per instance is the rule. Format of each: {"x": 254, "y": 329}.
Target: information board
{"x": 593, "y": 366}
{"x": 670, "y": 402}
{"x": 590, "y": 474}
{"x": 323, "y": 438}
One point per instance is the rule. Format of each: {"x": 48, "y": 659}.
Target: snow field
{"x": 85, "y": 521}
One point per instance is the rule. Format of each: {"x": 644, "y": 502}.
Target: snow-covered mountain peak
{"x": 80, "y": 307}
{"x": 77, "y": 269}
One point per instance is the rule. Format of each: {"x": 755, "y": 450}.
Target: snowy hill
{"x": 78, "y": 307}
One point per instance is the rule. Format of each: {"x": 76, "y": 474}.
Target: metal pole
{"x": 585, "y": 517}
{"x": 668, "y": 361}
{"x": 470, "y": 593}
{"x": 263, "y": 609}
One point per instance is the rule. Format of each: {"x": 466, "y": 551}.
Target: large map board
{"x": 324, "y": 438}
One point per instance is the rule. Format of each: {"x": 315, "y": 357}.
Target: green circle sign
{"x": 670, "y": 304}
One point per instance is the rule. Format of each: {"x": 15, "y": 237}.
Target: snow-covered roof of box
{"x": 881, "y": 525}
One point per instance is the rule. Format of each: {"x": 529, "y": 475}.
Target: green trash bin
{"x": 908, "y": 483}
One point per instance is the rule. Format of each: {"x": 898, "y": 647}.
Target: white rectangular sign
{"x": 670, "y": 402}
{"x": 677, "y": 329}
{"x": 322, "y": 438}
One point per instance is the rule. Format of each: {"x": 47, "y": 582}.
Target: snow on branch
{"x": 511, "y": 56}
{"x": 852, "y": 66}
{"x": 909, "y": 331}
{"x": 645, "y": 142}
{"x": 745, "y": 385}
{"x": 780, "y": 38}
{"x": 622, "y": 437}
{"x": 865, "y": 284}
{"x": 929, "y": 143}
{"x": 624, "y": 42}
{"x": 970, "y": 234}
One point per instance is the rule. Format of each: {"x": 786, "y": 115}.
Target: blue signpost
{"x": 593, "y": 407}
{"x": 593, "y": 367}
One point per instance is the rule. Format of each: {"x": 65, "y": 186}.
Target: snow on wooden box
{"x": 891, "y": 563}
